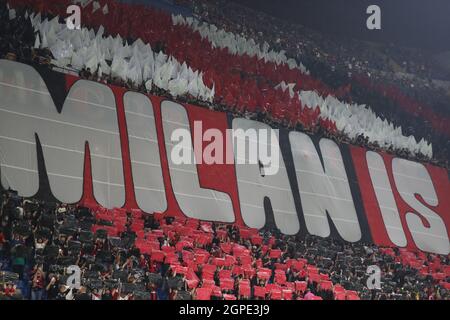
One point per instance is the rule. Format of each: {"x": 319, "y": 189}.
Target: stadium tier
{"x": 162, "y": 157}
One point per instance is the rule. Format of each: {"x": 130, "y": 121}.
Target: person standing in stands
{"x": 2, "y": 244}
{"x": 107, "y": 295}
{"x": 62, "y": 292}
{"x": 37, "y": 284}
{"x": 82, "y": 294}
{"x": 52, "y": 288}
{"x": 153, "y": 293}
{"x": 7, "y": 289}
{"x": 96, "y": 295}
{"x": 163, "y": 290}
{"x": 125, "y": 296}
{"x": 173, "y": 294}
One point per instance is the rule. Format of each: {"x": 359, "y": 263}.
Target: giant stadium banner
{"x": 77, "y": 141}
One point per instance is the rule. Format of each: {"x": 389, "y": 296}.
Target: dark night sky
{"x": 413, "y": 23}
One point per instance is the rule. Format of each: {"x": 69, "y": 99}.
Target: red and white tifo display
{"x": 79, "y": 141}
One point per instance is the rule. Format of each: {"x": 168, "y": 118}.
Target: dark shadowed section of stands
{"x": 166, "y": 5}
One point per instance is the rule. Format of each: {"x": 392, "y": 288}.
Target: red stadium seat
{"x": 229, "y": 260}
{"x": 290, "y": 285}
{"x": 216, "y": 292}
{"x": 158, "y": 216}
{"x": 244, "y": 288}
{"x": 256, "y": 239}
{"x": 220, "y": 262}
{"x": 439, "y": 276}
{"x": 324, "y": 277}
{"x": 280, "y": 278}
{"x": 171, "y": 258}
{"x": 157, "y": 255}
{"x": 200, "y": 258}
{"x": 326, "y": 285}
{"x": 338, "y": 288}
{"x": 340, "y": 296}
{"x": 158, "y": 233}
{"x": 226, "y": 247}
{"x": 314, "y": 277}
{"x": 183, "y": 244}
{"x": 260, "y": 292}
{"x": 263, "y": 275}
{"x": 249, "y": 272}
{"x": 224, "y": 274}
{"x": 446, "y": 285}
{"x": 298, "y": 265}
{"x": 275, "y": 294}
{"x": 301, "y": 286}
{"x": 275, "y": 253}
{"x": 203, "y": 293}
{"x": 227, "y": 284}
{"x": 311, "y": 269}
{"x": 245, "y": 260}
{"x": 351, "y": 295}
{"x": 244, "y": 233}
{"x": 221, "y": 234}
{"x": 179, "y": 269}
{"x": 237, "y": 270}
{"x": 136, "y": 213}
{"x": 168, "y": 249}
{"x": 447, "y": 271}
{"x": 287, "y": 294}
{"x": 140, "y": 234}
{"x": 208, "y": 283}
{"x": 192, "y": 283}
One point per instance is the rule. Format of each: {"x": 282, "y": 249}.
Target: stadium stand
{"x": 269, "y": 92}
{"x": 350, "y": 66}
{"x": 131, "y": 255}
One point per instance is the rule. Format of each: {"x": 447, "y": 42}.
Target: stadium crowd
{"x": 308, "y": 45}
{"x": 126, "y": 255}
{"x": 358, "y": 71}
{"x": 131, "y": 255}
{"x": 308, "y": 119}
